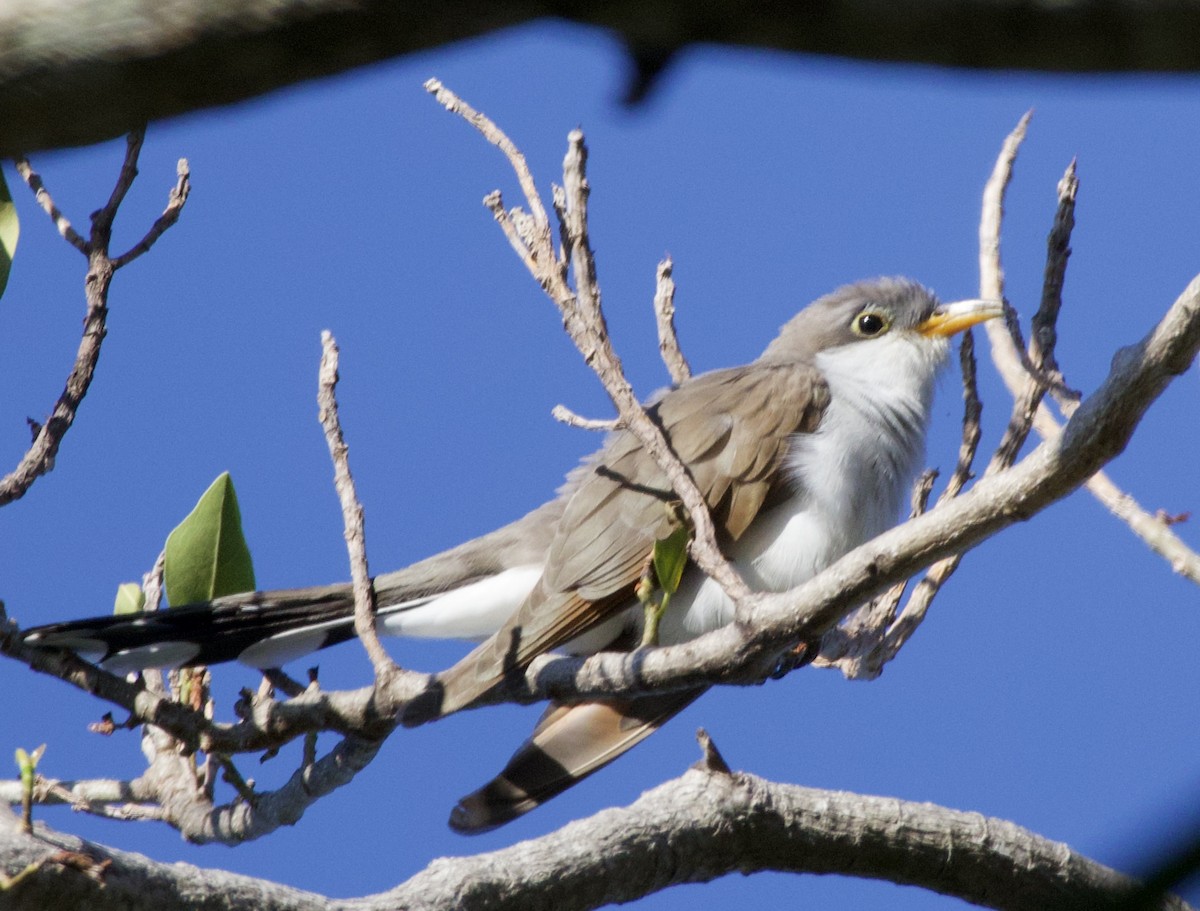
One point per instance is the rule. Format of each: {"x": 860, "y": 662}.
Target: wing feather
{"x": 731, "y": 428}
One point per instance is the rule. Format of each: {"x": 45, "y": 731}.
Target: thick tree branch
{"x": 696, "y": 828}
{"x": 77, "y": 71}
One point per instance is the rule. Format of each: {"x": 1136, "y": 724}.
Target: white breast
{"x": 852, "y": 477}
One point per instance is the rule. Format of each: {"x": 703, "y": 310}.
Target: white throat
{"x": 871, "y": 441}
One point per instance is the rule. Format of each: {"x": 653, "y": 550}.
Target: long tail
{"x": 279, "y": 624}
{"x": 569, "y": 743}
{"x": 466, "y": 592}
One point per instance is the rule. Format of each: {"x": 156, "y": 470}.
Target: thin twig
{"x": 496, "y": 136}
{"x": 39, "y": 458}
{"x": 1043, "y": 326}
{"x": 664, "y": 313}
{"x": 972, "y": 412}
{"x": 991, "y": 275}
{"x": 175, "y": 202}
{"x": 34, "y": 181}
{"x": 494, "y": 202}
{"x": 103, "y": 219}
{"x": 1044, "y": 334}
{"x": 567, "y": 416}
{"x": 352, "y": 511}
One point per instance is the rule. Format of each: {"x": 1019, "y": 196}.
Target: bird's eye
{"x": 870, "y": 323}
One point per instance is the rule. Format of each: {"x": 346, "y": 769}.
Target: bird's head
{"x": 867, "y": 314}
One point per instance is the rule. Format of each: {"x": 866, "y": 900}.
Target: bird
{"x": 801, "y": 455}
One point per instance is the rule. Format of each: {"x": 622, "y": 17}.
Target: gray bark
{"x": 77, "y": 71}
{"x": 696, "y": 828}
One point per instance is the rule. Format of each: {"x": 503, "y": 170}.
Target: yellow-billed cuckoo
{"x": 801, "y": 455}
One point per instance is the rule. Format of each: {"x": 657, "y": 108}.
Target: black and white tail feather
{"x": 464, "y": 593}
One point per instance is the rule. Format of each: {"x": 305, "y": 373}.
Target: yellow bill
{"x": 947, "y": 319}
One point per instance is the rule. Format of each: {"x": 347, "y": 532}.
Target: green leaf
{"x": 670, "y": 557}
{"x": 130, "y": 598}
{"x": 27, "y": 763}
{"x": 207, "y": 556}
{"x": 10, "y": 230}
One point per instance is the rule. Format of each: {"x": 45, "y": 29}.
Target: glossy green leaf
{"x": 130, "y": 598}
{"x": 670, "y": 557}
{"x": 207, "y": 556}
{"x": 10, "y": 230}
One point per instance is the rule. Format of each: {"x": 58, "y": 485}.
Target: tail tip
{"x": 473, "y": 816}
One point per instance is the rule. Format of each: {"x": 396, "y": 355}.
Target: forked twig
{"x": 39, "y": 458}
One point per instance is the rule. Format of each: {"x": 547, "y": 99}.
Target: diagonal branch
{"x": 63, "y": 224}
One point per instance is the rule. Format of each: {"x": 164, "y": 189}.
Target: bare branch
{"x": 39, "y": 458}
{"x": 664, "y": 313}
{"x": 175, "y": 202}
{"x": 991, "y": 274}
{"x": 494, "y": 202}
{"x": 701, "y": 826}
{"x": 1044, "y": 334}
{"x": 34, "y": 181}
{"x": 352, "y": 512}
{"x": 567, "y": 416}
{"x": 496, "y": 137}
{"x": 972, "y": 411}
{"x": 1015, "y": 368}
{"x": 103, "y": 218}
{"x": 1041, "y": 343}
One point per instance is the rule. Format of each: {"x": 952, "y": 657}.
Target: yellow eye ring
{"x": 870, "y": 323}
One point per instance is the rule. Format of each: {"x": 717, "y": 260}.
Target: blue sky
{"x": 1055, "y": 682}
